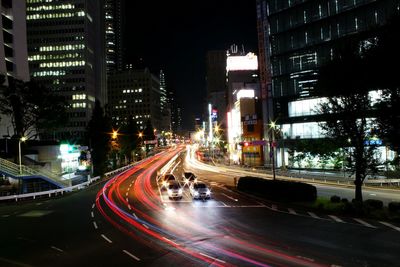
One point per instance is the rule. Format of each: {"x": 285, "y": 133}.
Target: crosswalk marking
{"x": 336, "y": 218}
{"x": 364, "y": 223}
{"x": 390, "y": 225}
{"x": 312, "y": 214}
{"x": 292, "y": 211}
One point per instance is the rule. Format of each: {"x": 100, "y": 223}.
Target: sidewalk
{"x": 314, "y": 175}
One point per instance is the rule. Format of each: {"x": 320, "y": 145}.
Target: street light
{"x": 114, "y": 134}
{"x": 22, "y": 139}
{"x": 272, "y": 126}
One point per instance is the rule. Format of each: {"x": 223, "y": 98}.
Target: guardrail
{"x": 61, "y": 191}
{"x": 51, "y": 193}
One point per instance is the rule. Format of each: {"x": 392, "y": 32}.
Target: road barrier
{"x": 51, "y": 193}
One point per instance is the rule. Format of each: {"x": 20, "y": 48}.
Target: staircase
{"x": 13, "y": 170}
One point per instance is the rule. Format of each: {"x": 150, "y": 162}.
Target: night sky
{"x": 175, "y": 36}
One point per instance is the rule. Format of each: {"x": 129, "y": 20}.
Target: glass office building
{"x": 300, "y": 36}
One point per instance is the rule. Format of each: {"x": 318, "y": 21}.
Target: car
{"x": 166, "y": 179}
{"x": 189, "y": 178}
{"x": 174, "y": 189}
{"x": 200, "y": 190}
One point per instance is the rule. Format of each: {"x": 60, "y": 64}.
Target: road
{"x": 129, "y": 221}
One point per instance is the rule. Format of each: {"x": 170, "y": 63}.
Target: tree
{"x": 98, "y": 133}
{"x": 34, "y": 109}
{"x": 380, "y": 59}
{"x": 347, "y": 112}
{"x": 129, "y": 139}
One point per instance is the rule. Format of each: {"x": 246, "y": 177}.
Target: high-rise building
{"x": 301, "y": 36}
{"x": 163, "y": 91}
{"x": 113, "y": 22}
{"x": 66, "y": 54}
{"x": 216, "y": 84}
{"x": 244, "y": 116}
{"x": 165, "y": 107}
{"x": 134, "y": 94}
{"x": 176, "y": 112}
{"x": 13, "y": 49}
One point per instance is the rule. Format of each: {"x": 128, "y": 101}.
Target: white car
{"x": 174, "y": 190}
{"x": 200, "y": 190}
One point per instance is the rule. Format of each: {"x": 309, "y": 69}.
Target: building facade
{"x": 114, "y": 23}
{"x": 13, "y": 49}
{"x": 66, "y": 54}
{"x": 216, "y": 84}
{"x": 134, "y": 94}
{"x": 244, "y": 113}
{"x": 301, "y": 37}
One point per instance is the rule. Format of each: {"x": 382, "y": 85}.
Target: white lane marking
{"x": 6, "y": 215}
{"x": 126, "y": 194}
{"x": 93, "y": 206}
{"x": 106, "y": 238}
{"x": 92, "y": 214}
{"x": 224, "y": 204}
{"x": 127, "y": 200}
{"x": 390, "y": 225}
{"x": 305, "y": 258}
{"x": 274, "y": 207}
{"x": 372, "y": 194}
{"x": 95, "y": 225}
{"x": 129, "y": 207}
{"x": 234, "y": 199}
{"x": 364, "y": 223}
{"x": 145, "y": 225}
{"x": 208, "y": 256}
{"x": 169, "y": 240}
{"x": 136, "y": 217}
{"x": 58, "y": 249}
{"x": 131, "y": 255}
{"x": 292, "y": 211}
{"x": 312, "y": 214}
{"x": 336, "y": 218}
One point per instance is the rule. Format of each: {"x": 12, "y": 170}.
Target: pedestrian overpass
{"x": 27, "y": 175}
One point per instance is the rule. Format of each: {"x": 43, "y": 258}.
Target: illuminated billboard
{"x": 247, "y": 62}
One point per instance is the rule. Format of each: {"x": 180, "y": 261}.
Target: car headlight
{"x": 208, "y": 192}
{"x": 196, "y": 193}
{"x": 164, "y": 183}
{"x": 180, "y": 191}
{"x": 169, "y": 191}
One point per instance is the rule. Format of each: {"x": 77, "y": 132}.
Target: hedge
{"x": 278, "y": 189}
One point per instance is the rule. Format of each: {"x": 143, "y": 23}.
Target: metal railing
{"x": 50, "y": 193}
{"x": 14, "y": 170}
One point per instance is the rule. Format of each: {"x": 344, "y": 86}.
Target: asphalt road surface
{"x": 130, "y": 221}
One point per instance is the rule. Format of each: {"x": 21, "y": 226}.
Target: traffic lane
{"x": 386, "y": 196}
{"x": 319, "y": 240}
{"x": 58, "y": 232}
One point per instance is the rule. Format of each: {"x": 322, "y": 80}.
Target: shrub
{"x": 374, "y": 204}
{"x": 277, "y": 189}
{"x": 335, "y": 199}
{"x": 394, "y": 206}
{"x": 345, "y": 200}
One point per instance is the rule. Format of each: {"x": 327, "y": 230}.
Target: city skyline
{"x": 177, "y": 42}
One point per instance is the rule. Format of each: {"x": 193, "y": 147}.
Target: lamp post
{"x": 22, "y": 139}
{"x": 272, "y": 127}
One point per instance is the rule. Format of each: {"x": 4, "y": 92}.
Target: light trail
{"x": 164, "y": 232}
